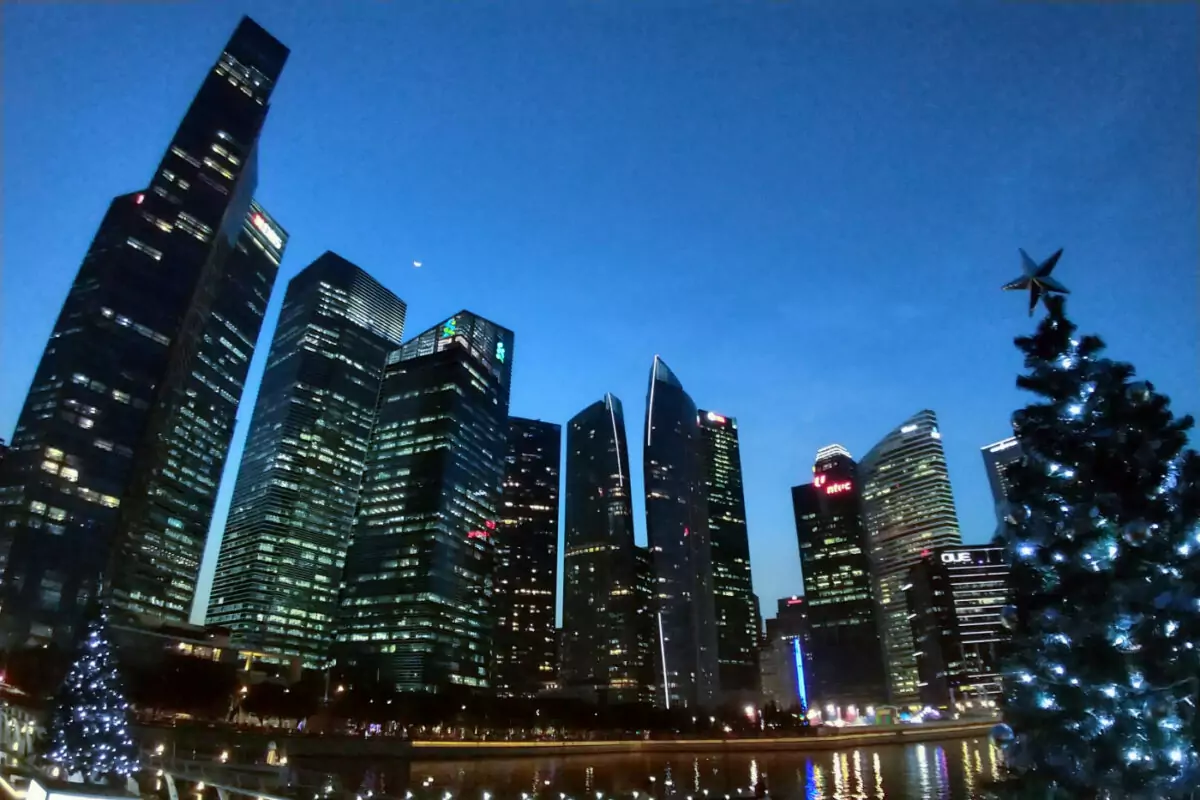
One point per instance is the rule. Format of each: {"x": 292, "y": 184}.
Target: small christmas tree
{"x": 89, "y": 727}
{"x": 1100, "y": 681}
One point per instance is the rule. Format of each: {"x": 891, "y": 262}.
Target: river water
{"x": 955, "y": 770}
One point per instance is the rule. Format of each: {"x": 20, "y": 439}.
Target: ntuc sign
{"x": 956, "y": 558}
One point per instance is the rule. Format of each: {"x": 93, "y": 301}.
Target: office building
{"x": 954, "y": 597}
{"x": 784, "y": 658}
{"x": 998, "y": 459}
{"x": 847, "y": 654}
{"x": 603, "y": 644}
{"x": 526, "y": 579}
{"x": 677, "y": 532}
{"x": 908, "y": 508}
{"x": 118, "y": 450}
{"x": 416, "y": 605}
{"x": 280, "y": 565}
{"x": 733, "y": 592}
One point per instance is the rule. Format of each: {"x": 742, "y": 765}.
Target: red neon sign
{"x": 819, "y": 481}
{"x": 484, "y": 534}
{"x": 839, "y": 487}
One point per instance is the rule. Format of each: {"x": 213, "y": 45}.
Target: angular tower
{"x": 908, "y": 509}
{"x": 677, "y": 533}
{"x": 280, "y": 566}
{"x": 417, "y": 592}
{"x": 121, "y": 442}
{"x": 603, "y": 635}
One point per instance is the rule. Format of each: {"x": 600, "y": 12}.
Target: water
{"x": 950, "y": 770}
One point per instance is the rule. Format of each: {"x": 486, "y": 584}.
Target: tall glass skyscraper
{"x": 844, "y": 646}
{"x": 997, "y": 459}
{"x": 603, "y": 638}
{"x": 733, "y": 591}
{"x": 526, "y": 579}
{"x": 677, "y": 531}
{"x": 908, "y": 509}
{"x": 417, "y": 598}
{"x": 120, "y": 444}
{"x": 280, "y": 566}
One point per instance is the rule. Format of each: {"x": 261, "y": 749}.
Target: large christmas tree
{"x": 1103, "y": 531}
{"x": 89, "y": 727}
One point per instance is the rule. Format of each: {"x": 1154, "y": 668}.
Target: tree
{"x": 1100, "y": 677}
{"x": 89, "y": 726}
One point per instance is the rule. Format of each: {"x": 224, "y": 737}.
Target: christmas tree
{"x": 1100, "y": 678}
{"x": 89, "y": 729}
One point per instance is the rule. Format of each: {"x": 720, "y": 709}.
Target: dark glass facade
{"x": 417, "y": 598}
{"x": 908, "y": 508}
{"x": 603, "y": 644}
{"x": 998, "y": 458}
{"x": 734, "y": 603}
{"x": 785, "y": 658}
{"x": 280, "y": 566}
{"x": 526, "y": 579}
{"x": 108, "y": 445}
{"x": 954, "y": 597}
{"x": 677, "y": 532}
{"x": 844, "y": 643}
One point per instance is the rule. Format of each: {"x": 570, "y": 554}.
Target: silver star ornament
{"x": 1037, "y": 279}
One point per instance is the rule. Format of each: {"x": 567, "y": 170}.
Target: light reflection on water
{"x": 953, "y": 770}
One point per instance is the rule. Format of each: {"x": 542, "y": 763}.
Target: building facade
{"x": 417, "y": 598}
{"x": 734, "y": 604}
{"x": 908, "y": 508}
{"x": 784, "y": 659}
{"x": 602, "y": 646}
{"x": 280, "y": 566}
{"x": 526, "y": 579}
{"x": 118, "y": 449}
{"x": 998, "y": 458}
{"x": 677, "y": 532}
{"x": 954, "y": 597}
{"x": 843, "y": 618}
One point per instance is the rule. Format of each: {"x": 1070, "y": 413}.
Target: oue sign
{"x": 956, "y": 558}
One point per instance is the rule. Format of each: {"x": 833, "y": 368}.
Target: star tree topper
{"x": 1037, "y": 279}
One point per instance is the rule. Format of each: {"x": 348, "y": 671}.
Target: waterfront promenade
{"x": 245, "y": 745}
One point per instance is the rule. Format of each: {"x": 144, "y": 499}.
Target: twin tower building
{"x": 388, "y": 516}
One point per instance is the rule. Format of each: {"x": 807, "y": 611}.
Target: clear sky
{"x": 807, "y": 209}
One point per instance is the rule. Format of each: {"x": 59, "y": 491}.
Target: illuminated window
{"x": 145, "y": 248}
{"x": 37, "y": 507}
{"x": 54, "y": 454}
{"x": 50, "y": 466}
{"x": 109, "y": 501}
{"x": 57, "y": 514}
{"x": 69, "y": 473}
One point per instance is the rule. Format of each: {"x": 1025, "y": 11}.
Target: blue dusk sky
{"x": 807, "y": 209}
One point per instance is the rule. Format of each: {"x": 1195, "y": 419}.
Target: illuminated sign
{"x": 819, "y": 481}
{"x": 795, "y": 601}
{"x": 1000, "y": 447}
{"x": 839, "y": 487}
{"x": 908, "y": 429}
{"x": 956, "y": 558}
{"x": 715, "y": 418}
{"x": 264, "y": 227}
{"x": 500, "y": 352}
{"x": 139, "y": 199}
{"x": 450, "y": 328}
{"x": 484, "y": 534}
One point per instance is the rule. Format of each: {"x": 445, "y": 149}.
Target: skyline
{"x": 973, "y": 405}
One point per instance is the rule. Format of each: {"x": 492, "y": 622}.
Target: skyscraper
{"x": 280, "y": 566}
{"x": 603, "y": 645}
{"x": 908, "y": 508}
{"x": 416, "y": 606}
{"x": 955, "y": 595}
{"x": 123, "y": 435}
{"x": 845, "y": 648}
{"x": 997, "y": 459}
{"x": 733, "y": 592}
{"x": 785, "y": 660}
{"x": 677, "y": 531}
{"x": 526, "y": 577}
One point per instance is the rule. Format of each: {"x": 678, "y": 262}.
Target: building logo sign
{"x": 956, "y": 558}
{"x": 837, "y": 487}
{"x": 262, "y": 226}
{"x": 715, "y": 418}
{"x": 450, "y": 328}
{"x": 500, "y": 352}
